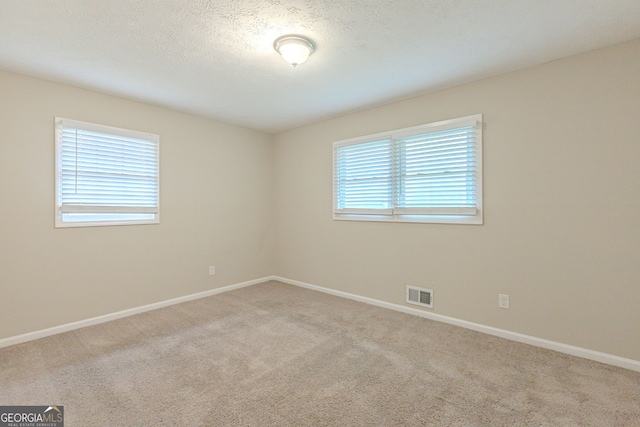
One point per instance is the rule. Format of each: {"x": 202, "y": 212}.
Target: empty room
{"x": 319, "y": 213}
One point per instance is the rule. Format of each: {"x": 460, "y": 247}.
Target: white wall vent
{"x": 420, "y": 296}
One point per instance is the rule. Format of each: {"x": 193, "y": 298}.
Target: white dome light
{"x": 294, "y": 49}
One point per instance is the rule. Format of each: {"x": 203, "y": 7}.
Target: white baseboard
{"x": 597, "y": 356}
{"x": 606, "y": 358}
{"x": 6, "y": 342}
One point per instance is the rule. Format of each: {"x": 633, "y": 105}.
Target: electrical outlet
{"x": 212, "y": 270}
{"x": 503, "y": 301}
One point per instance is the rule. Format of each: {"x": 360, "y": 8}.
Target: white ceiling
{"x": 215, "y": 57}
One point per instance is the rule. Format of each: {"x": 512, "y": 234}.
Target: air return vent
{"x": 420, "y": 296}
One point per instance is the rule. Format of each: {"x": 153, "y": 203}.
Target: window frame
{"x": 105, "y": 216}
{"x": 398, "y": 214}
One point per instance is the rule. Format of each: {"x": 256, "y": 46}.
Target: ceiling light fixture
{"x": 293, "y": 48}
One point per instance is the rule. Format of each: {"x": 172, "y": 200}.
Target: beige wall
{"x": 561, "y": 196}
{"x": 562, "y": 201}
{"x": 216, "y": 208}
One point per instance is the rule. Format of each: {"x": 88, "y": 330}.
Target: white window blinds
{"x": 106, "y": 174}
{"x": 426, "y": 173}
{"x": 364, "y": 177}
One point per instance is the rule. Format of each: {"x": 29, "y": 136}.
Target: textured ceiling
{"x": 216, "y": 59}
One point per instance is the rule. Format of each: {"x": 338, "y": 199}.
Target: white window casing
{"x": 428, "y": 173}
{"x": 105, "y": 175}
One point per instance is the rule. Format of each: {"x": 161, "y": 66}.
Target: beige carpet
{"x": 277, "y": 355}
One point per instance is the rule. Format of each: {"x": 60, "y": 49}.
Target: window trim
{"x": 429, "y": 214}
{"x": 59, "y": 210}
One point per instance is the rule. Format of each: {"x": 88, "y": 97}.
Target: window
{"x": 105, "y": 175}
{"x": 428, "y": 173}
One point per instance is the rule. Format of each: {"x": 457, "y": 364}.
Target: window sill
{"x": 425, "y": 219}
